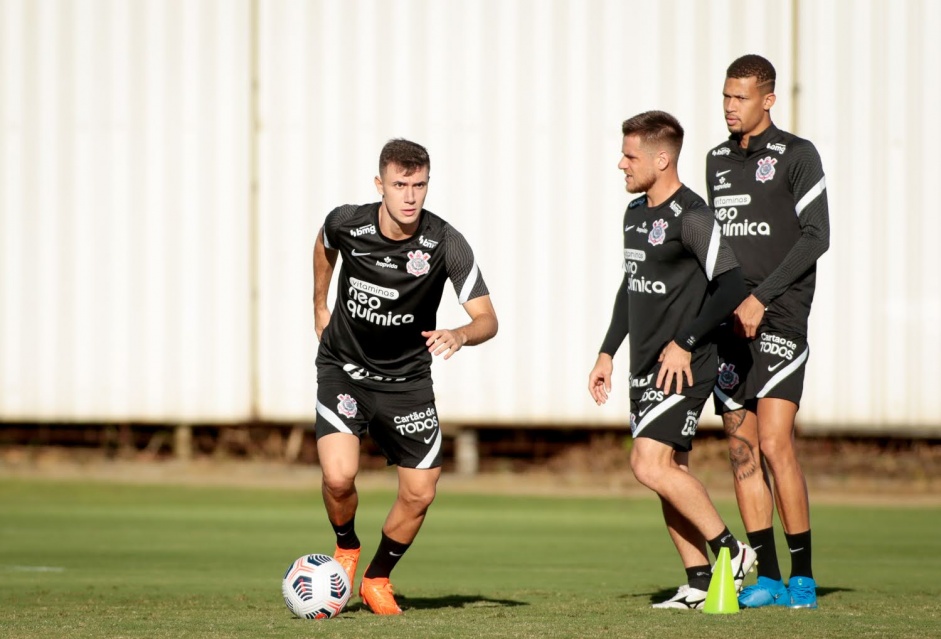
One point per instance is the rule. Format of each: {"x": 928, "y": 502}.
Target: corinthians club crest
{"x": 658, "y": 233}
{"x": 728, "y": 378}
{"x": 418, "y": 262}
{"x": 347, "y": 405}
{"x": 765, "y": 170}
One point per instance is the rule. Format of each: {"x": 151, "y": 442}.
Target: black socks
{"x": 387, "y": 555}
{"x": 763, "y": 543}
{"x": 727, "y": 540}
{"x": 799, "y": 545}
{"x": 346, "y": 535}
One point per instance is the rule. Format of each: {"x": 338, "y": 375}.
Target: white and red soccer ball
{"x": 316, "y": 587}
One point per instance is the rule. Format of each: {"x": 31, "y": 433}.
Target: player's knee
{"x": 417, "y": 498}
{"x": 777, "y": 450}
{"x": 644, "y": 470}
{"x": 338, "y": 485}
{"x": 738, "y": 449}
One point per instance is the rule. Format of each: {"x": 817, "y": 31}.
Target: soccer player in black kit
{"x": 680, "y": 281}
{"x": 376, "y": 348}
{"x": 768, "y": 191}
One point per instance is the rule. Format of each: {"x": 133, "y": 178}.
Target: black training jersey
{"x": 671, "y": 252}
{"x": 771, "y": 202}
{"x": 388, "y": 293}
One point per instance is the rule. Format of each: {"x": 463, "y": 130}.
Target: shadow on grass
{"x": 445, "y": 601}
{"x": 663, "y": 595}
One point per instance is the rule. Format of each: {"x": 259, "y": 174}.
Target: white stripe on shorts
{"x": 783, "y": 373}
{"x": 654, "y": 413}
{"x": 730, "y": 403}
{"x": 333, "y": 418}
{"x": 430, "y": 457}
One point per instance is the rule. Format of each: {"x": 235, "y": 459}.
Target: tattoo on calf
{"x": 741, "y": 453}
{"x": 733, "y": 420}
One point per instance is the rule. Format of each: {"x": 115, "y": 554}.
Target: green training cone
{"x": 721, "y": 599}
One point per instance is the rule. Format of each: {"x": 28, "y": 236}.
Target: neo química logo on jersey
{"x": 365, "y": 302}
{"x": 641, "y": 284}
{"x": 727, "y": 211}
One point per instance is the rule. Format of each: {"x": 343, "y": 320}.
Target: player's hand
{"x": 443, "y": 341}
{"x": 674, "y": 365}
{"x": 599, "y": 379}
{"x": 748, "y": 317}
{"x": 321, "y": 319}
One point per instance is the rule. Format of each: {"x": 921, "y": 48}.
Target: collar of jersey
{"x": 757, "y": 143}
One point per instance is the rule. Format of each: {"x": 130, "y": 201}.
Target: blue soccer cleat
{"x": 767, "y": 592}
{"x": 803, "y": 592}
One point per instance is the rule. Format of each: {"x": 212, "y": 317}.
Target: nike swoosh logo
{"x": 628, "y": 228}
{"x": 430, "y": 437}
{"x": 643, "y": 412}
{"x": 357, "y": 253}
{"x": 343, "y": 534}
{"x": 771, "y": 369}
{"x": 755, "y": 548}
{"x": 721, "y": 173}
{"x": 794, "y": 550}
{"x": 395, "y": 554}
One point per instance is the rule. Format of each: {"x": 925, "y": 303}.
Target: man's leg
{"x": 752, "y": 486}
{"x": 339, "y": 461}
{"x": 689, "y": 542}
{"x": 756, "y": 504}
{"x": 654, "y": 466}
{"x": 416, "y": 492}
{"x": 691, "y": 546}
{"x": 776, "y": 438}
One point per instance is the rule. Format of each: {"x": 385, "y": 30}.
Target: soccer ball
{"x": 316, "y": 587}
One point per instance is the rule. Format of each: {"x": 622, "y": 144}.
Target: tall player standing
{"x": 376, "y": 348}
{"x": 768, "y": 191}
{"x": 680, "y": 281}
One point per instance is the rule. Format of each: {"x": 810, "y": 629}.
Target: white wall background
{"x": 157, "y": 214}
{"x": 124, "y": 193}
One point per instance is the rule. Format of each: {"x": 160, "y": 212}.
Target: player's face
{"x": 403, "y": 196}
{"x": 746, "y": 107}
{"x": 638, "y": 164}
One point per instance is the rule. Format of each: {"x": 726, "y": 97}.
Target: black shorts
{"x": 771, "y": 365}
{"x": 404, "y": 424}
{"x": 671, "y": 419}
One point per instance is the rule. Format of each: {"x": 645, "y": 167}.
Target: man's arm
{"x": 483, "y": 326}
{"x": 599, "y": 379}
{"x": 324, "y": 262}
{"x": 810, "y": 197}
{"x": 702, "y": 237}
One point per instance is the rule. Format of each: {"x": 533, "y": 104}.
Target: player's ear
{"x": 379, "y": 185}
{"x": 663, "y": 159}
{"x": 768, "y": 101}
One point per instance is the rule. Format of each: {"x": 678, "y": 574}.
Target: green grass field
{"x": 83, "y": 559}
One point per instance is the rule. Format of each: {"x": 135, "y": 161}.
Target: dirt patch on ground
{"x": 837, "y": 471}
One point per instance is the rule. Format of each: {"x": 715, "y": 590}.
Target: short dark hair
{"x": 754, "y": 65}
{"x": 656, "y": 127}
{"x": 409, "y": 155}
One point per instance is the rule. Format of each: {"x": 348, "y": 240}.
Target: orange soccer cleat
{"x": 348, "y": 558}
{"x": 377, "y": 594}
